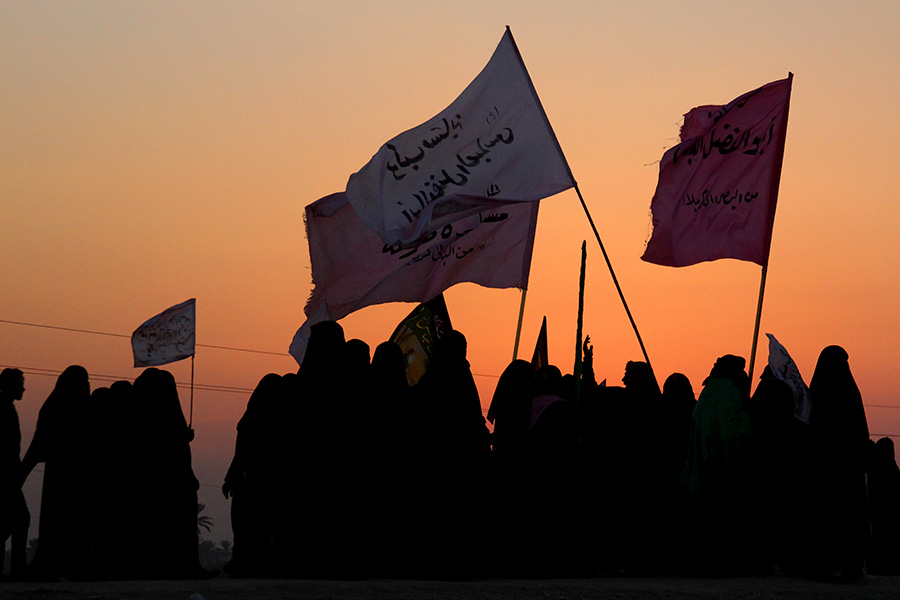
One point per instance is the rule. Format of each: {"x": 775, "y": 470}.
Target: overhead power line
{"x": 122, "y": 335}
{"x": 208, "y": 387}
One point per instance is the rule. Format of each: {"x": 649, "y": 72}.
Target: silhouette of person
{"x": 311, "y": 542}
{"x": 250, "y": 480}
{"x": 884, "y": 499}
{"x": 778, "y": 473}
{"x": 58, "y": 443}
{"x": 14, "y": 515}
{"x": 510, "y": 412}
{"x": 676, "y": 408}
{"x": 389, "y": 460}
{"x": 173, "y": 544}
{"x": 716, "y": 470}
{"x": 457, "y": 449}
{"x": 840, "y": 435}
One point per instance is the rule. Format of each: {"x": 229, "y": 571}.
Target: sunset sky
{"x": 155, "y": 152}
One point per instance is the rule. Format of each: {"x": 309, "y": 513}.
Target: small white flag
{"x": 167, "y": 337}
{"x": 785, "y": 369}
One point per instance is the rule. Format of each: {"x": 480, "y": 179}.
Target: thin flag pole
{"x": 759, "y": 307}
{"x": 776, "y": 181}
{"x": 613, "y": 273}
{"x": 579, "y": 324}
{"x": 578, "y": 191}
{"x": 191, "y": 413}
{"x": 519, "y": 327}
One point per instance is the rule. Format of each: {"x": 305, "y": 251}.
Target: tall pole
{"x": 191, "y": 417}
{"x": 759, "y": 306}
{"x": 575, "y": 185}
{"x": 579, "y": 324}
{"x": 519, "y": 327}
{"x": 611, "y": 272}
{"x": 776, "y": 180}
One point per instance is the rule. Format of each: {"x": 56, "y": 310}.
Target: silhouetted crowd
{"x": 119, "y": 496}
{"x": 343, "y": 470}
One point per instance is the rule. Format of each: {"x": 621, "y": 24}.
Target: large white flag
{"x": 352, "y": 268}
{"x": 493, "y": 145}
{"x": 167, "y": 337}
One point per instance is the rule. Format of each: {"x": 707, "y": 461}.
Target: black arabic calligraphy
{"x": 730, "y": 198}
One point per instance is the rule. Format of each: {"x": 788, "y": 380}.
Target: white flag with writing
{"x": 352, "y": 268}
{"x": 785, "y": 369}
{"x": 492, "y": 145}
{"x": 167, "y": 337}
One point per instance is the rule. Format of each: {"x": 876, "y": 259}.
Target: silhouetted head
{"x": 324, "y": 351}
{"x": 357, "y": 353}
{"x": 157, "y": 394}
{"x": 884, "y": 450}
{"x": 512, "y": 397}
{"x": 450, "y": 349}
{"x": 678, "y": 386}
{"x": 74, "y": 382}
{"x": 389, "y": 365}
{"x": 731, "y": 367}
{"x": 833, "y": 364}
{"x": 12, "y": 384}
{"x": 639, "y": 379}
{"x": 263, "y": 402}
{"x": 548, "y": 381}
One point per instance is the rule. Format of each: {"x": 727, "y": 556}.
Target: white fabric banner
{"x": 493, "y": 145}
{"x": 167, "y": 337}
{"x": 352, "y": 268}
{"x": 785, "y": 369}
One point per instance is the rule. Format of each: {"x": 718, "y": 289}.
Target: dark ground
{"x": 756, "y": 588}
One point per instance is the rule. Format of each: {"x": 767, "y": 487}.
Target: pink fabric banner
{"x": 718, "y": 188}
{"x": 492, "y": 145}
{"x": 352, "y": 268}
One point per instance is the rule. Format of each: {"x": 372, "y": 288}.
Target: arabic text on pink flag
{"x": 492, "y": 145}
{"x": 718, "y": 188}
{"x": 352, "y": 268}
{"x": 167, "y": 337}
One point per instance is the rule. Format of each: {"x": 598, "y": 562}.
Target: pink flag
{"x": 492, "y": 145}
{"x": 352, "y": 268}
{"x": 718, "y": 188}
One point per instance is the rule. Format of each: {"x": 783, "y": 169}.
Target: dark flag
{"x": 540, "y": 349}
{"x": 417, "y": 334}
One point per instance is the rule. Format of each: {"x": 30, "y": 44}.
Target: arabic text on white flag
{"x": 352, "y": 268}
{"x": 718, "y": 188}
{"x": 785, "y": 369}
{"x": 167, "y": 337}
{"x": 492, "y": 145}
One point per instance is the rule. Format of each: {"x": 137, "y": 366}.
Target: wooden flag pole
{"x": 579, "y": 324}
{"x": 519, "y": 327}
{"x": 776, "y": 181}
{"x": 611, "y": 272}
{"x": 191, "y": 417}
{"x": 759, "y": 306}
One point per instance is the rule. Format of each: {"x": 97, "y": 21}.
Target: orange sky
{"x": 154, "y": 152}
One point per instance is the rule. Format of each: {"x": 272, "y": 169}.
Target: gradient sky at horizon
{"x": 154, "y": 152}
